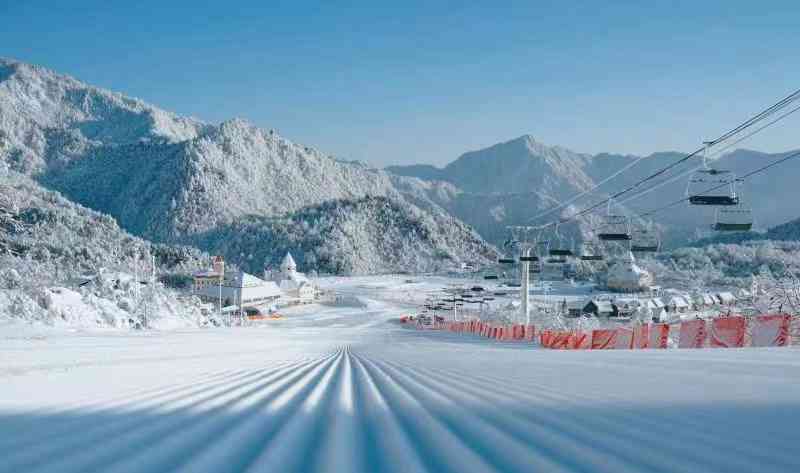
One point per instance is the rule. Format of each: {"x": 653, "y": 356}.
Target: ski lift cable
{"x": 688, "y": 172}
{"x": 767, "y": 112}
{"x": 587, "y": 191}
{"x": 717, "y": 153}
{"x": 646, "y": 179}
{"x": 748, "y": 123}
{"x": 749, "y": 174}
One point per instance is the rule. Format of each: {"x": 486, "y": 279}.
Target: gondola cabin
{"x": 733, "y": 220}
{"x": 715, "y": 187}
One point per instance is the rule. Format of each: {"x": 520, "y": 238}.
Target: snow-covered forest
{"x": 61, "y": 263}
{"x": 363, "y": 236}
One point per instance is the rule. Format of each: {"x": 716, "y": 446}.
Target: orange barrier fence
{"x": 641, "y": 336}
{"x": 624, "y": 340}
{"x": 692, "y": 334}
{"x": 770, "y": 330}
{"x": 580, "y": 341}
{"x": 728, "y": 332}
{"x": 659, "y": 336}
{"x": 604, "y": 339}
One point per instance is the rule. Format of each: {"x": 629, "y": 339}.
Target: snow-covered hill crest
{"x": 48, "y": 119}
{"x": 169, "y": 178}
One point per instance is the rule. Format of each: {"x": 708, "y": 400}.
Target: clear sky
{"x": 423, "y": 82}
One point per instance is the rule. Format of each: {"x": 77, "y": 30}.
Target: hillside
{"x": 786, "y": 231}
{"x": 63, "y": 263}
{"x": 171, "y": 179}
{"x": 360, "y": 236}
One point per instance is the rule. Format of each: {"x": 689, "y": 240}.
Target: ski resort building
{"x": 211, "y": 277}
{"x": 235, "y": 288}
{"x": 703, "y": 301}
{"x": 678, "y": 304}
{"x": 600, "y": 308}
{"x": 624, "y": 275}
{"x": 726, "y": 298}
{"x": 296, "y": 287}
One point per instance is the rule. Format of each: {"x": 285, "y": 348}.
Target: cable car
{"x": 506, "y": 260}
{"x": 644, "y": 240}
{"x": 559, "y": 249}
{"x": 615, "y": 228}
{"x": 528, "y": 258}
{"x": 733, "y": 220}
{"x": 589, "y": 253}
{"x": 710, "y": 186}
{"x": 591, "y": 257}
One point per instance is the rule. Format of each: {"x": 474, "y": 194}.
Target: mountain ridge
{"x": 168, "y": 178}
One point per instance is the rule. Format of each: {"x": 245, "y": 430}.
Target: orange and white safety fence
{"x": 771, "y": 330}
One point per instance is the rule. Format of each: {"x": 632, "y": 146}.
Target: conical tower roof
{"x": 288, "y": 263}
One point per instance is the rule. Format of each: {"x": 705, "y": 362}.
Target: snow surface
{"x": 347, "y": 388}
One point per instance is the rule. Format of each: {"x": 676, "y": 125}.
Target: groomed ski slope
{"x": 347, "y": 389}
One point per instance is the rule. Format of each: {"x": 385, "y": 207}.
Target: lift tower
{"x": 522, "y": 237}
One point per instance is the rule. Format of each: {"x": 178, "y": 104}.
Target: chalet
{"x": 703, "y": 301}
{"x": 678, "y": 304}
{"x": 627, "y": 307}
{"x": 600, "y": 308}
{"x": 725, "y": 298}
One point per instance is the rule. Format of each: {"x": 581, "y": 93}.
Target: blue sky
{"x": 423, "y": 82}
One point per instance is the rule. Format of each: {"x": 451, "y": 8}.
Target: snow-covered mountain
{"x": 173, "y": 179}
{"x": 48, "y": 119}
{"x": 513, "y": 182}
{"x": 518, "y": 166}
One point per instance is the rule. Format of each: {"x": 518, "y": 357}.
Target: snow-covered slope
{"x": 343, "y": 389}
{"x": 171, "y": 179}
{"x": 61, "y": 263}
